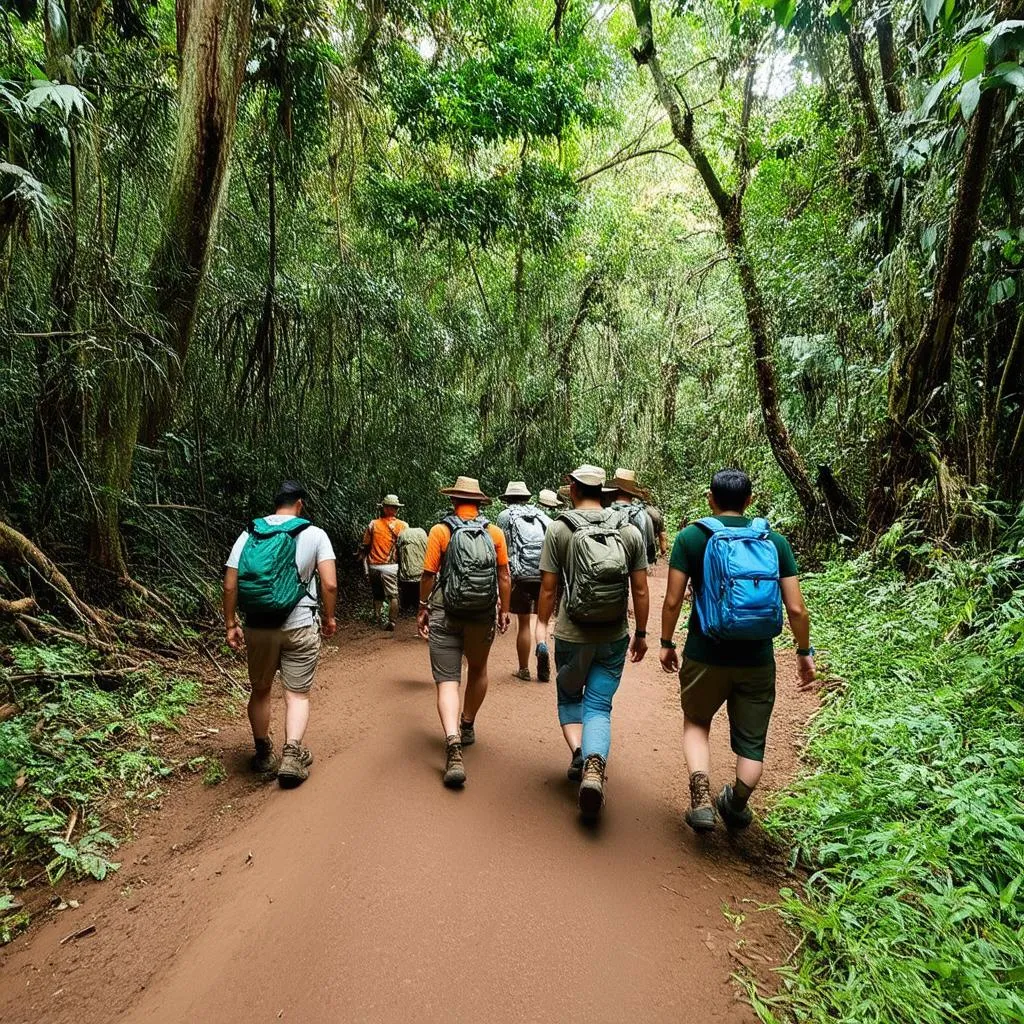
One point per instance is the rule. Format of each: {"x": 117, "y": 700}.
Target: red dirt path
{"x": 373, "y": 894}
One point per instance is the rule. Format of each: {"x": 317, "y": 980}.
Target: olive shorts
{"x": 451, "y": 639}
{"x": 294, "y": 651}
{"x": 748, "y": 693}
{"x": 384, "y": 583}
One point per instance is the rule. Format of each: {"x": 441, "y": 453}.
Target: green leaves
{"x": 66, "y": 100}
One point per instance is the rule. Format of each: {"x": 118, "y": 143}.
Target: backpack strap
{"x": 573, "y": 520}
{"x": 712, "y": 525}
{"x": 761, "y": 525}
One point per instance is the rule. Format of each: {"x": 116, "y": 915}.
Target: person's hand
{"x": 637, "y": 648}
{"x": 688, "y": 594}
{"x": 235, "y": 637}
{"x": 423, "y": 623}
{"x": 504, "y": 621}
{"x": 669, "y": 659}
{"x": 807, "y": 671}
{"x": 328, "y": 628}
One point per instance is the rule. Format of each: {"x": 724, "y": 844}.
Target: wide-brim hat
{"x": 549, "y": 499}
{"x": 392, "y": 500}
{"x": 625, "y": 480}
{"x": 516, "y": 489}
{"x": 466, "y": 487}
{"x": 589, "y": 476}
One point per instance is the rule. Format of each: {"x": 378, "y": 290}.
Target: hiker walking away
{"x": 271, "y": 577}
{"x": 550, "y": 501}
{"x": 410, "y": 549}
{"x": 743, "y": 573}
{"x": 524, "y": 525}
{"x": 598, "y": 559}
{"x": 657, "y": 519}
{"x": 628, "y": 500}
{"x": 464, "y": 592}
{"x": 379, "y": 551}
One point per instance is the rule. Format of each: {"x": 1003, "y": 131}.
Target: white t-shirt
{"x": 312, "y": 547}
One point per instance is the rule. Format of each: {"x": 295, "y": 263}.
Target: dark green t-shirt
{"x": 688, "y": 556}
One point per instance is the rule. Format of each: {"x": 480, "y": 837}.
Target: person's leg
{"x": 300, "y": 652}
{"x": 446, "y": 666}
{"x": 570, "y": 674}
{"x": 477, "y": 639}
{"x": 524, "y": 640}
{"x": 602, "y": 682}
{"x": 296, "y": 716}
{"x": 390, "y": 583}
{"x": 448, "y": 706}
{"x": 750, "y": 711}
{"x": 263, "y": 655}
{"x": 393, "y": 610}
{"x": 703, "y": 689}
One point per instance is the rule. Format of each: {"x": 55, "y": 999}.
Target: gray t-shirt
{"x": 554, "y": 558}
{"x": 312, "y": 547}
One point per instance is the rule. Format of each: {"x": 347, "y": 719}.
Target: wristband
{"x": 668, "y": 645}
{"x": 640, "y": 634}
{"x": 424, "y": 604}
{"x": 805, "y": 652}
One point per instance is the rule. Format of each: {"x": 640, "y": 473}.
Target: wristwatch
{"x": 640, "y": 634}
{"x": 668, "y": 645}
{"x": 805, "y": 652}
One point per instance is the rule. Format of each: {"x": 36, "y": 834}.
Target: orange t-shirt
{"x": 440, "y": 535}
{"x": 380, "y": 537}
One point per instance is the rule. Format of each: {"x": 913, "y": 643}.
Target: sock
{"x": 462, "y": 721}
{"x": 542, "y": 648}
{"x": 578, "y": 752}
{"x": 453, "y": 739}
{"x": 740, "y": 795}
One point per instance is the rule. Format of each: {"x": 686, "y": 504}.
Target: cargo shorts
{"x": 294, "y": 652}
{"x": 451, "y": 639}
{"x": 384, "y": 582}
{"x": 748, "y": 693}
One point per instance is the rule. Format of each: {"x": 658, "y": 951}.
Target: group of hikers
{"x": 580, "y": 555}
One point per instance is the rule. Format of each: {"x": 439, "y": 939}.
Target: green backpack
{"x": 597, "y": 570}
{"x": 469, "y": 574}
{"x": 269, "y": 584}
{"x": 411, "y": 550}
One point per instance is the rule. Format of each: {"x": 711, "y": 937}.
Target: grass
{"x": 910, "y": 816}
{"x": 72, "y": 745}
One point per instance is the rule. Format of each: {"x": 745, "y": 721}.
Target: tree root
{"x": 17, "y": 607}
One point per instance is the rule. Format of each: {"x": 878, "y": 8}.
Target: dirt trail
{"x": 373, "y": 894}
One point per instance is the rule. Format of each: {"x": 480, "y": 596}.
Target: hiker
{"x": 465, "y": 588}
{"x": 628, "y": 499}
{"x": 729, "y": 658}
{"x": 524, "y": 525}
{"x": 657, "y": 519}
{"x": 379, "y": 552}
{"x": 598, "y": 559}
{"x": 549, "y": 501}
{"x": 410, "y": 549}
{"x": 271, "y": 576}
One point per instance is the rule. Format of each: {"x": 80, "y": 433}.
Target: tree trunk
{"x": 890, "y": 63}
{"x": 855, "y": 47}
{"x": 212, "y": 67}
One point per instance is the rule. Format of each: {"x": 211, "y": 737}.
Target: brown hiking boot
{"x": 454, "y": 769}
{"x": 294, "y": 765}
{"x": 467, "y": 733}
{"x": 264, "y": 761}
{"x": 592, "y": 787}
{"x": 523, "y": 673}
{"x": 701, "y": 815}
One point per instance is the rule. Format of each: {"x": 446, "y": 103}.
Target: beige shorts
{"x": 450, "y": 640}
{"x": 384, "y": 584}
{"x": 293, "y": 651}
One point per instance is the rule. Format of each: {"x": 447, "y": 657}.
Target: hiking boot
{"x": 389, "y": 627}
{"x": 454, "y": 769}
{"x": 264, "y": 761}
{"x": 575, "y": 770}
{"x": 592, "y": 787}
{"x": 523, "y": 673}
{"x": 701, "y": 815}
{"x": 733, "y": 819}
{"x": 543, "y": 663}
{"x": 467, "y": 733}
{"x": 294, "y": 765}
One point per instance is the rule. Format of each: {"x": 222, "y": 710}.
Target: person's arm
{"x": 328, "y": 570}
{"x": 641, "y": 609}
{"x": 663, "y": 543}
{"x": 504, "y": 597}
{"x": 677, "y": 581}
{"x": 800, "y": 624}
{"x": 546, "y": 604}
{"x": 423, "y": 615}
{"x": 235, "y": 636}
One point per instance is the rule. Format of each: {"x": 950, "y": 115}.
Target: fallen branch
{"x": 17, "y": 607}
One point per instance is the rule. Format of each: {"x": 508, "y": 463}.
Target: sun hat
{"x": 549, "y": 499}
{"x": 468, "y": 488}
{"x": 589, "y": 476}
{"x": 392, "y": 500}
{"x": 516, "y": 489}
{"x": 289, "y": 492}
{"x": 625, "y": 480}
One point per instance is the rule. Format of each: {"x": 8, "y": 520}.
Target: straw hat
{"x": 625, "y": 480}
{"x": 589, "y": 476}
{"x": 516, "y": 489}
{"x": 549, "y": 499}
{"x": 467, "y": 488}
{"x": 392, "y": 500}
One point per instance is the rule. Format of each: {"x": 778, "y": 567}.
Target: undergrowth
{"x": 72, "y": 744}
{"x": 910, "y": 818}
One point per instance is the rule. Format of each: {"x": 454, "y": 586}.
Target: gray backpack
{"x": 596, "y": 571}
{"x": 638, "y": 517}
{"x": 469, "y": 575}
{"x": 526, "y": 529}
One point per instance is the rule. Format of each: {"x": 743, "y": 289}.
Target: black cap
{"x": 289, "y": 492}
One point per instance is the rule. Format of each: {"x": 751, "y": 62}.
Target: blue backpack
{"x": 741, "y": 598}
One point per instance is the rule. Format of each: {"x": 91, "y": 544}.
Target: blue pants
{"x": 587, "y": 677}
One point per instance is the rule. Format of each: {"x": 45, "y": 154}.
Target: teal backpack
{"x": 269, "y": 585}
